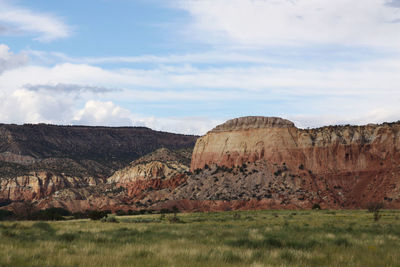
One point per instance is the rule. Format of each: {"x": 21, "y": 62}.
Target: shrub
{"x": 164, "y": 211}
{"x": 133, "y": 212}
{"x": 175, "y": 209}
{"x": 374, "y": 206}
{"x": 6, "y": 215}
{"x": 96, "y": 215}
{"x": 316, "y": 206}
{"x": 80, "y": 215}
{"x": 51, "y": 214}
{"x": 175, "y": 219}
{"x": 110, "y": 219}
{"x": 120, "y": 213}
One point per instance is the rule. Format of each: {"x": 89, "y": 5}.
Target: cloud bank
{"x": 15, "y": 20}
{"x": 295, "y": 22}
{"x": 294, "y": 59}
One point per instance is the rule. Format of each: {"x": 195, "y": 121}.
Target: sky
{"x": 185, "y": 66}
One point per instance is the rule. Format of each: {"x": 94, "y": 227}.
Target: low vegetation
{"x": 240, "y": 238}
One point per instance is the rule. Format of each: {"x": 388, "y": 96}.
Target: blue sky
{"x": 185, "y": 66}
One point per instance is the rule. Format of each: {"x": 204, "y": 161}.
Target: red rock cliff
{"x": 362, "y": 161}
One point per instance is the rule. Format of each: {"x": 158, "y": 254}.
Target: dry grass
{"x": 255, "y": 238}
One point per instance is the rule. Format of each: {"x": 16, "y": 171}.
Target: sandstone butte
{"x": 361, "y": 163}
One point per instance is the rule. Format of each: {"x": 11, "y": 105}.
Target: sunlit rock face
{"x": 347, "y": 165}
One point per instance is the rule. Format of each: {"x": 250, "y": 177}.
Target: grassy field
{"x": 246, "y": 238}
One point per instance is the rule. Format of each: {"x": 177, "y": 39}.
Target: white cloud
{"x": 9, "y": 60}
{"x": 295, "y": 22}
{"x": 18, "y": 20}
{"x": 107, "y": 113}
{"x": 21, "y": 106}
{"x": 183, "y": 125}
{"x": 103, "y": 113}
{"x": 340, "y": 92}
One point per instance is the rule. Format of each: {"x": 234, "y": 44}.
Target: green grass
{"x": 246, "y": 238}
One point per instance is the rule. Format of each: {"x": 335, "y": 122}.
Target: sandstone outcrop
{"x": 343, "y": 166}
{"x": 146, "y": 181}
{"x": 37, "y": 185}
{"x": 162, "y": 169}
{"x": 36, "y": 161}
{"x": 161, "y": 164}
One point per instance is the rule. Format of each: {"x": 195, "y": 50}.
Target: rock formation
{"x": 38, "y": 160}
{"x": 245, "y": 163}
{"x": 145, "y": 181}
{"x": 342, "y": 166}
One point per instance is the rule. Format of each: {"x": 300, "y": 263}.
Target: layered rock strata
{"x": 143, "y": 183}
{"x": 38, "y": 160}
{"x": 345, "y": 166}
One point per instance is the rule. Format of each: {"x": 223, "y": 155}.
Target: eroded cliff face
{"x": 162, "y": 169}
{"x": 161, "y": 164}
{"x": 141, "y": 184}
{"x": 37, "y": 161}
{"x": 245, "y": 163}
{"x": 345, "y": 166}
{"x": 37, "y": 185}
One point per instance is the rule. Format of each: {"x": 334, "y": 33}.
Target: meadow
{"x": 242, "y": 238}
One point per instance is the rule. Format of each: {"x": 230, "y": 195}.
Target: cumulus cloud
{"x": 9, "y": 60}
{"x": 108, "y": 113}
{"x": 294, "y": 23}
{"x": 103, "y": 113}
{"x": 19, "y": 20}
{"x": 21, "y": 106}
{"x": 37, "y": 94}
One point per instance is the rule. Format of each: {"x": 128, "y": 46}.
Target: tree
{"x": 375, "y": 207}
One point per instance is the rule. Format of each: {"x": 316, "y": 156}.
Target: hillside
{"x": 37, "y": 160}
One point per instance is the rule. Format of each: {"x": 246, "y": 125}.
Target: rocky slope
{"x": 38, "y": 160}
{"x": 145, "y": 181}
{"x": 339, "y": 166}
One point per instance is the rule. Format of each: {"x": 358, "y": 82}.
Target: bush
{"x": 175, "y": 219}
{"x": 120, "y": 213}
{"x": 197, "y": 171}
{"x": 51, "y": 214}
{"x": 110, "y": 219}
{"x": 80, "y": 215}
{"x": 96, "y": 215}
{"x": 165, "y": 211}
{"x": 374, "y": 206}
{"x": 316, "y": 206}
{"x": 6, "y": 215}
{"x": 133, "y": 212}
